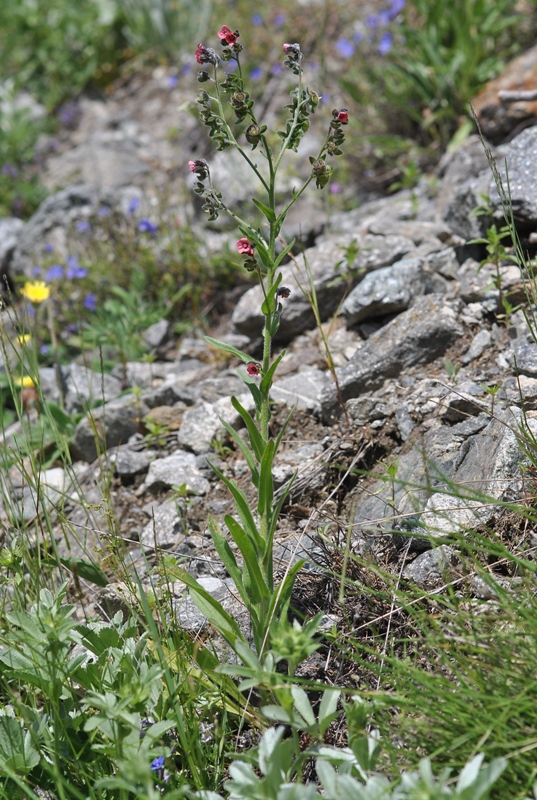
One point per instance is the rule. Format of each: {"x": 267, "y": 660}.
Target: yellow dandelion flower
{"x": 36, "y": 291}
{"x": 23, "y": 338}
{"x": 25, "y": 382}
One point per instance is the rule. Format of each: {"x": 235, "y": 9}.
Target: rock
{"x": 497, "y": 118}
{"x": 190, "y": 617}
{"x": 465, "y": 179}
{"x": 523, "y": 346}
{"x": 165, "y": 528}
{"x": 521, "y": 157}
{"x": 467, "y": 400}
{"x": 432, "y": 569}
{"x": 157, "y": 334}
{"x": 329, "y": 272}
{"x": 10, "y": 232}
{"x": 416, "y": 336}
{"x": 390, "y": 290}
{"x": 24, "y": 502}
{"x": 113, "y": 424}
{"x": 129, "y": 463}
{"x": 302, "y": 390}
{"x": 50, "y": 222}
{"x": 480, "y": 343}
{"x": 176, "y": 470}
{"x": 169, "y": 417}
{"x": 84, "y": 388}
{"x": 202, "y": 423}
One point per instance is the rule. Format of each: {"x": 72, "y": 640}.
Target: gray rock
{"x": 329, "y": 270}
{"x": 10, "y": 232}
{"x": 467, "y": 400}
{"x": 418, "y": 336}
{"x": 176, "y": 470}
{"x": 128, "y": 462}
{"x": 465, "y": 178}
{"x": 432, "y": 569}
{"x": 50, "y": 223}
{"x": 165, "y": 528}
{"x": 390, "y": 290}
{"x": 480, "y": 343}
{"x": 521, "y": 157}
{"x": 113, "y": 424}
{"x": 85, "y": 388}
{"x": 523, "y": 346}
{"x": 302, "y": 390}
{"x": 202, "y": 423}
{"x": 224, "y": 385}
{"x": 157, "y": 334}
{"x": 144, "y": 374}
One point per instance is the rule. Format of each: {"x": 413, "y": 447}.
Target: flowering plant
{"x": 226, "y": 97}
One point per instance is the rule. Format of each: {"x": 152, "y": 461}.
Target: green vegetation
{"x": 105, "y": 696}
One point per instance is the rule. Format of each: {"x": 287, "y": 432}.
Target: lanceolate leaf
{"x": 228, "y": 558}
{"x": 266, "y": 485}
{"x": 255, "y": 437}
{"x": 229, "y": 349}
{"x": 245, "y": 450}
{"x": 243, "y": 507}
{"x": 268, "y": 212}
{"x": 268, "y": 303}
{"x": 259, "y": 588}
{"x": 266, "y": 383}
{"x": 284, "y": 253}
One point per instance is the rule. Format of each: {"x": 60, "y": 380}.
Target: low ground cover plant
{"x": 131, "y": 707}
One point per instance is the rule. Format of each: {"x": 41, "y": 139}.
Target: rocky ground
{"x": 430, "y": 372}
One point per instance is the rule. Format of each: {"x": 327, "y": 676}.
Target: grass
{"x": 125, "y": 704}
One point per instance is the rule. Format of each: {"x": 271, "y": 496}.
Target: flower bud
{"x": 253, "y": 134}
{"x": 203, "y": 77}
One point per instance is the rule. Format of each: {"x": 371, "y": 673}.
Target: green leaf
{"x": 258, "y": 586}
{"x": 281, "y": 597}
{"x": 17, "y": 752}
{"x": 268, "y": 303}
{"x": 229, "y": 349}
{"x": 243, "y": 507}
{"x": 266, "y": 382}
{"x": 245, "y": 450}
{"x": 228, "y": 558}
{"x": 328, "y": 709}
{"x": 266, "y": 483}
{"x": 59, "y": 416}
{"x": 284, "y": 252}
{"x": 209, "y": 607}
{"x": 87, "y": 570}
{"x": 268, "y": 212}
{"x": 255, "y": 437}
{"x": 303, "y": 705}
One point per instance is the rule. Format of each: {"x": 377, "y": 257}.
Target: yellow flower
{"x": 36, "y": 291}
{"x": 23, "y": 338}
{"x": 25, "y": 382}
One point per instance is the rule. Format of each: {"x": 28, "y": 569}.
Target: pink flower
{"x": 343, "y": 116}
{"x": 252, "y": 368}
{"x": 200, "y": 50}
{"x": 291, "y": 49}
{"x": 192, "y": 166}
{"x": 245, "y": 247}
{"x": 226, "y": 36}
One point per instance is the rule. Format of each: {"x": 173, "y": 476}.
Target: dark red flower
{"x": 291, "y": 49}
{"x": 206, "y": 55}
{"x": 199, "y": 53}
{"x": 283, "y": 292}
{"x": 245, "y": 247}
{"x": 343, "y": 116}
{"x": 252, "y": 368}
{"x": 226, "y": 36}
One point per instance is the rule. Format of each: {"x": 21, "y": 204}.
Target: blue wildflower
{"x": 257, "y": 19}
{"x": 396, "y": 6}
{"x": 385, "y": 43}
{"x": 279, "y": 19}
{"x": 230, "y": 66}
{"x": 372, "y": 21}
{"x": 357, "y": 38}
{"x": 158, "y": 763}
{"x": 55, "y": 273}
{"x": 48, "y": 248}
{"x": 83, "y": 226}
{"x": 345, "y": 47}
{"x": 104, "y": 211}
{"x": 74, "y": 270}
{"x": 133, "y": 205}
{"x": 44, "y": 349}
{"x": 90, "y": 302}
{"x": 173, "y": 81}
{"x": 384, "y": 17}
{"x": 36, "y": 272}
{"x": 256, "y": 73}
{"x": 146, "y": 226}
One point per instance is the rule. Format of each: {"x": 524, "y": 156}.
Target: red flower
{"x": 245, "y": 247}
{"x": 252, "y": 368}
{"x": 226, "y": 36}
{"x": 343, "y": 116}
{"x": 200, "y": 50}
{"x": 283, "y": 292}
{"x": 291, "y": 49}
